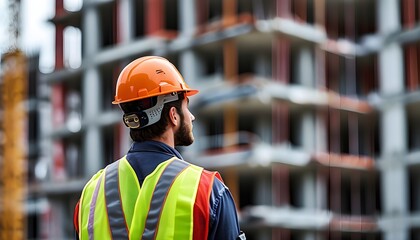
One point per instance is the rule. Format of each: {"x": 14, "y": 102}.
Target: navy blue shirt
{"x": 144, "y": 157}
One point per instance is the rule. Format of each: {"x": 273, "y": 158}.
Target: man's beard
{"x": 183, "y": 137}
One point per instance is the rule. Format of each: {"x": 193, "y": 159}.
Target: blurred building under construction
{"x": 308, "y": 108}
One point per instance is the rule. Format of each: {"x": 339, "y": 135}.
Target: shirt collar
{"x": 154, "y": 146}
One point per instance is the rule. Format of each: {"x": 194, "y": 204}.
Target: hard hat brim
{"x": 188, "y": 93}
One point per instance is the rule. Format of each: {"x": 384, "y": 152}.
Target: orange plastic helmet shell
{"x": 148, "y": 77}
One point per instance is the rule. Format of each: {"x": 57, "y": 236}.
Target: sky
{"x": 36, "y": 33}
{"x": 4, "y": 37}
{"x": 3, "y": 24}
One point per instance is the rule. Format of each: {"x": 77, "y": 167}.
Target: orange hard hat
{"x": 148, "y": 77}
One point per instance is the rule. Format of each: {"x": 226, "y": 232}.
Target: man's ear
{"x": 174, "y": 116}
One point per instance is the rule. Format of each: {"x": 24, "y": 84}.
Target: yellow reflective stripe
{"x": 143, "y": 201}
{"x": 84, "y": 206}
{"x": 129, "y": 188}
{"x": 176, "y": 220}
{"x": 101, "y": 226}
{"x": 101, "y": 229}
{"x": 187, "y": 190}
{"x": 160, "y": 193}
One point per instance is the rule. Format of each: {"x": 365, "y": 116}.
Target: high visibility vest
{"x": 172, "y": 203}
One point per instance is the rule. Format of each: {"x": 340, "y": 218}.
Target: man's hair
{"x": 158, "y": 128}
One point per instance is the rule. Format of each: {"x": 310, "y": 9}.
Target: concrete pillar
{"x": 263, "y": 190}
{"x": 262, "y": 65}
{"x": 393, "y": 127}
{"x": 90, "y": 32}
{"x": 93, "y": 149}
{"x": 394, "y": 182}
{"x": 199, "y": 130}
{"x": 305, "y": 131}
{"x": 263, "y": 130}
{"x": 308, "y": 236}
{"x": 308, "y": 190}
{"x": 91, "y": 94}
{"x": 391, "y": 70}
{"x": 304, "y": 74}
{"x": 393, "y": 234}
{"x": 187, "y": 10}
{"x": 125, "y": 20}
{"x": 304, "y": 71}
{"x": 307, "y": 134}
{"x": 303, "y": 190}
{"x": 188, "y": 67}
{"x": 388, "y": 15}
{"x": 394, "y": 146}
{"x": 393, "y": 132}
{"x": 321, "y": 190}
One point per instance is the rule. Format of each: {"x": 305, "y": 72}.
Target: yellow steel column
{"x": 230, "y": 59}
{"x": 12, "y": 162}
{"x": 229, "y": 12}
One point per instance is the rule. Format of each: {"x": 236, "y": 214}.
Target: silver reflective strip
{"x": 116, "y": 216}
{"x": 241, "y": 236}
{"x": 92, "y": 208}
{"x": 159, "y": 196}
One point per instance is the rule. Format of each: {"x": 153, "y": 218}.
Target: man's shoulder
{"x": 216, "y": 181}
{"x": 213, "y": 177}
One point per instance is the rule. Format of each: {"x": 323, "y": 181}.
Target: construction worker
{"x": 152, "y": 193}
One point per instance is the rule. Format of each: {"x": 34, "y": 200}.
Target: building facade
{"x": 308, "y": 109}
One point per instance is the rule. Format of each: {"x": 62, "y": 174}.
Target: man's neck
{"x": 167, "y": 137}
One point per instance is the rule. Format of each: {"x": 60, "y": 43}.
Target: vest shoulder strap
{"x": 202, "y": 206}
{"x": 104, "y": 194}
